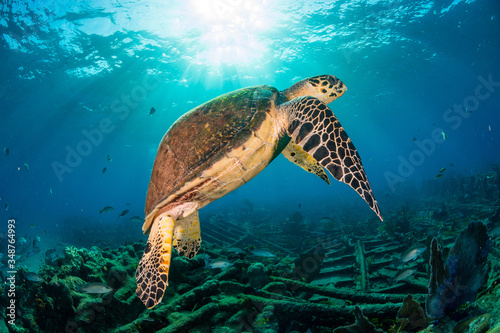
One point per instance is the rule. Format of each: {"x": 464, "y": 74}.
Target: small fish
{"x": 262, "y": 253}
{"x": 6, "y": 151}
{"x": 439, "y": 175}
{"x": 451, "y": 164}
{"x": 96, "y": 288}
{"x": 445, "y": 137}
{"x": 106, "y": 209}
{"x": 36, "y": 241}
{"x": 489, "y": 128}
{"x": 414, "y": 140}
{"x": 152, "y": 111}
{"x": 32, "y": 226}
{"x": 50, "y": 190}
{"x": 220, "y": 263}
{"x": 33, "y": 277}
{"x": 442, "y": 170}
{"x": 402, "y": 275}
{"x": 26, "y": 166}
{"x": 109, "y": 158}
{"x": 136, "y": 219}
{"x": 326, "y": 219}
{"x": 104, "y": 170}
{"x": 235, "y": 250}
{"x": 33, "y": 251}
{"x": 22, "y": 241}
{"x": 51, "y": 254}
{"x": 125, "y": 212}
{"x": 6, "y": 206}
{"x": 410, "y": 254}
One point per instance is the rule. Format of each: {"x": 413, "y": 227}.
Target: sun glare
{"x": 230, "y": 30}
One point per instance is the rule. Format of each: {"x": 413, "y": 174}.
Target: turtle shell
{"x": 200, "y": 138}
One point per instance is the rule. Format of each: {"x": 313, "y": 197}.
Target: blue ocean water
{"x": 68, "y": 68}
{"x": 80, "y": 79}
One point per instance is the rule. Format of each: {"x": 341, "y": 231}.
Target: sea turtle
{"x": 222, "y": 144}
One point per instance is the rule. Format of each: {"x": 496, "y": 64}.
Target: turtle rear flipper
{"x": 152, "y": 272}
{"x": 187, "y": 235}
{"x": 314, "y": 127}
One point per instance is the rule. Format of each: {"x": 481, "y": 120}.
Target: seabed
{"x": 297, "y": 274}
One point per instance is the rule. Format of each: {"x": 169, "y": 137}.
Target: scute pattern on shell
{"x": 202, "y": 136}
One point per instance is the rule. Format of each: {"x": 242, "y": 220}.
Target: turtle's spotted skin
{"x": 221, "y": 145}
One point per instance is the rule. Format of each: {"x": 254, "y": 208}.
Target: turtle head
{"x": 326, "y": 88}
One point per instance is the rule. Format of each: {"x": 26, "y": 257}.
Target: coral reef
{"x": 58, "y": 294}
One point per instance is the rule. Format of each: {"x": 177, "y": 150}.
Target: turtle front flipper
{"x": 152, "y": 272}
{"x": 295, "y": 154}
{"x": 314, "y": 127}
{"x": 187, "y": 235}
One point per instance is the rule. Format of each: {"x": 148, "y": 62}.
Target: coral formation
{"x": 464, "y": 272}
{"x": 257, "y": 275}
{"x": 411, "y": 316}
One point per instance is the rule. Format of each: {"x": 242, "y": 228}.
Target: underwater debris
{"x": 362, "y": 324}
{"x": 459, "y": 279}
{"x": 363, "y": 266}
{"x": 6, "y": 151}
{"x": 308, "y": 265}
{"x": 152, "y": 111}
{"x": 103, "y": 170}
